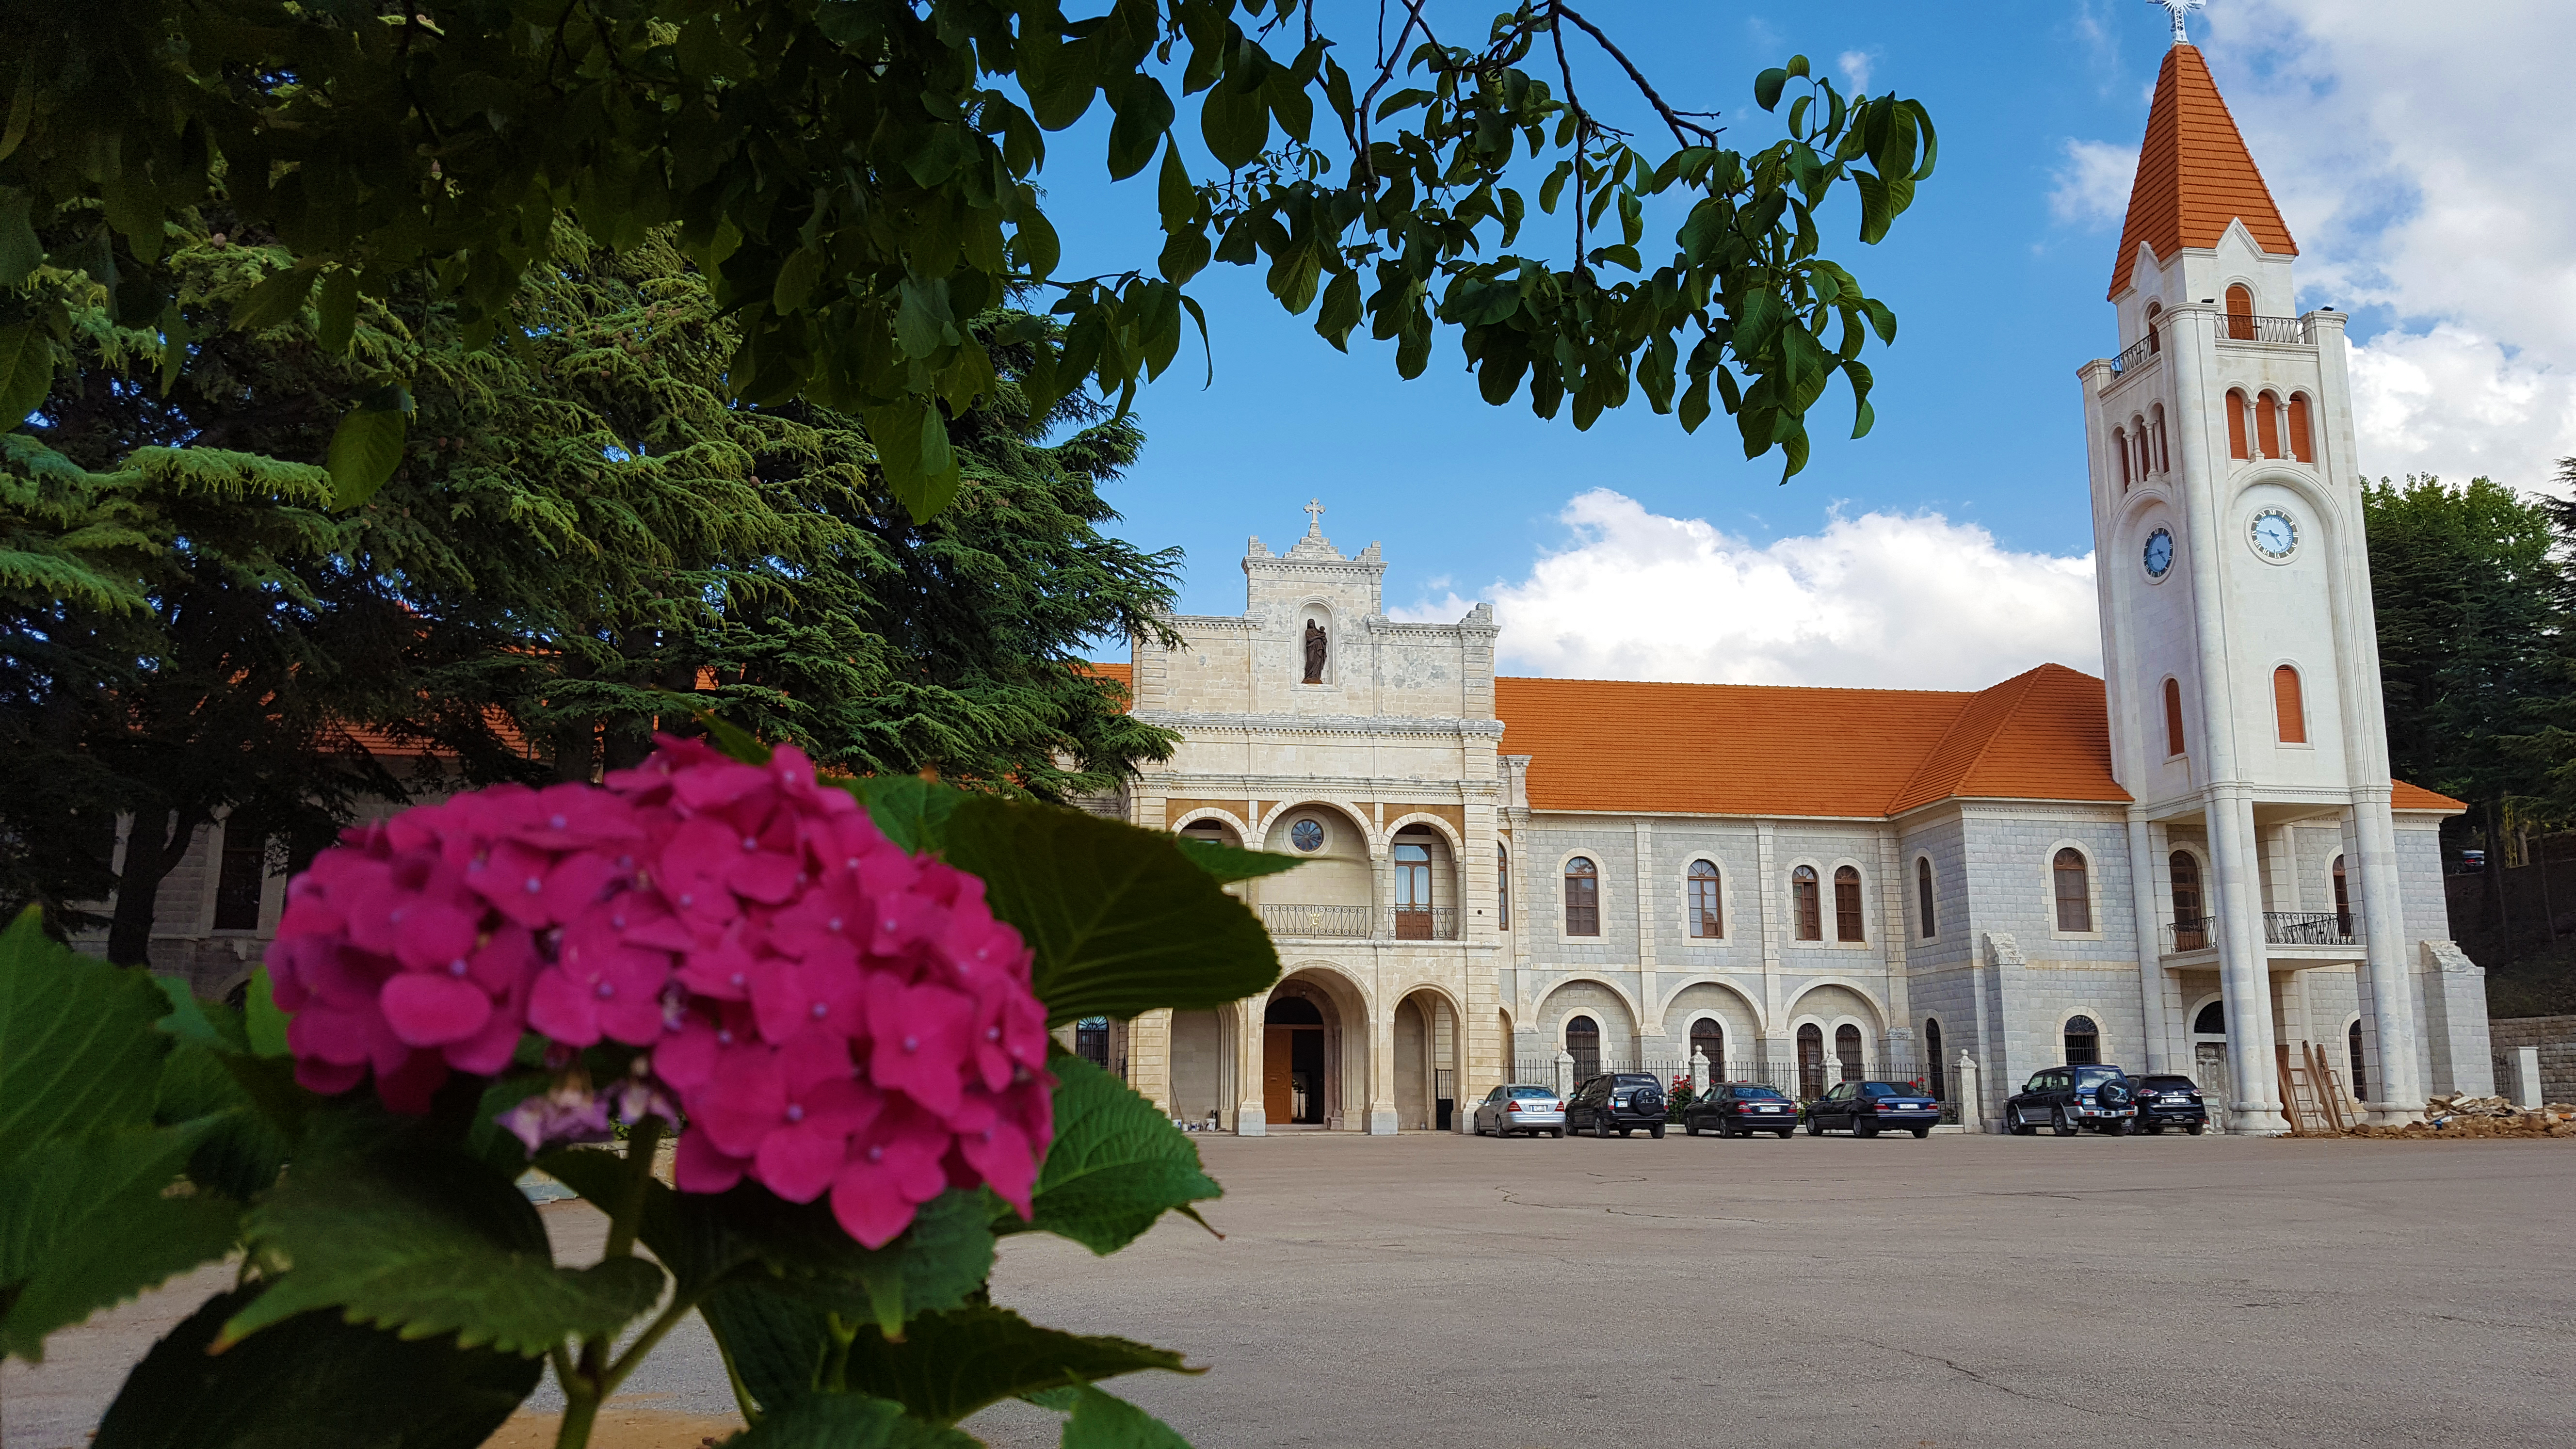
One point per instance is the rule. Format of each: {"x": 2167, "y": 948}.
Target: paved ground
{"x": 1970, "y": 1291}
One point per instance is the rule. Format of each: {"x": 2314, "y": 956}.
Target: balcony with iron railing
{"x": 2233, "y": 328}
{"x": 2329, "y": 929}
{"x": 1362, "y": 923}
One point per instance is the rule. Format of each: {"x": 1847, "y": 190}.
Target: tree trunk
{"x": 148, "y": 862}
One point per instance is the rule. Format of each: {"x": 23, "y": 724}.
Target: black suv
{"x": 1740, "y": 1109}
{"x": 2069, "y": 1099}
{"x": 2169, "y": 1101}
{"x": 1865, "y": 1107}
{"x": 1620, "y": 1102}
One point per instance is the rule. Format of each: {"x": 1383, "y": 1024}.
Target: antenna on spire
{"x": 2178, "y": 9}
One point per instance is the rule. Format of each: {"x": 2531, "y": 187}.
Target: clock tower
{"x": 2238, "y": 641}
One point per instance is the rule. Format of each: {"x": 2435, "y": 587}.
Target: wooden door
{"x": 1277, "y": 1071}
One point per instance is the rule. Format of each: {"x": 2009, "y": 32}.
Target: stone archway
{"x": 1312, "y": 1064}
{"x": 1429, "y": 1046}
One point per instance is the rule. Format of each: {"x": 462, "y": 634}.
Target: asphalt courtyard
{"x": 1427, "y": 1291}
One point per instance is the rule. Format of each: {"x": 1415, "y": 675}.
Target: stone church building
{"x": 2193, "y": 864}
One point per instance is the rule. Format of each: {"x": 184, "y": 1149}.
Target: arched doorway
{"x": 1583, "y": 1043}
{"x": 1847, "y": 1053}
{"x": 1811, "y": 1060}
{"x": 2209, "y": 1060}
{"x": 1426, "y": 1041}
{"x": 1295, "y": 1080}
{"x": 1314, "y": 1054}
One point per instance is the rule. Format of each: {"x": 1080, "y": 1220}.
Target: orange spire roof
{"x": 2194, "y": 174}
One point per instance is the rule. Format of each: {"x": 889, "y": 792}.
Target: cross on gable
{"x": 1314, "y": 515}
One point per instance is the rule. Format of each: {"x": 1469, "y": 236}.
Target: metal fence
{"x": 1363, "y": 923}
{"x": 2308, "y": 928}
{"x": 2263, "y": 329}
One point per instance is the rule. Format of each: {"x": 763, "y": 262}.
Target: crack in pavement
{"x": 2003, "y": 1388}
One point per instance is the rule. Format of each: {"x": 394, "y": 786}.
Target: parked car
{"x": 1520, "y": 1108}
{"x": 2069, "y": 1099}
{"x": 1864, "y": 1108}
{"x": 2171, "y": 1101}
{"x": 1618, "y": 1102}
{"x": 1740, "y": 1109}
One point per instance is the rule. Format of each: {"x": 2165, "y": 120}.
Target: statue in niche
{"x": 1314, "y": 652}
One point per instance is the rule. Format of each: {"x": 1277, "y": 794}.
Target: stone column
{"x": 1149, "y": 1058}
{"x": 1251, "y": 1113}
{"x": 2244, "y": 966}
{"x": 1700, "y": 1074}
{"x": 1381, "y": 1119}
{"x": 2526, "y": 1077}
{"x": 2151, "y": 940}
{"x": 1971, "y": 1094}
{"x": 2387, "y": 1000}
{"x": 1564, "y": 1073}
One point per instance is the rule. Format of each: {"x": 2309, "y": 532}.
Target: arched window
{"x": 2288, "y": 708}
{"x": 2155, "y": 315}
{"x": 2173, "y": 718}
{"x": 2302, "y": 445}
{"x": 2343, "y": 904}
{"x": 2138, "y": 447}
{"x": 1804, "y": 905}
{"x": 1412, "y": 889}
{"x": 1704, "y": 914}
{"x": 2156, "y": 430}
{"x": 2074, "y": 891}
{"x": 1091, "y": 1040}
{"x": 1811, "y": 1061}
{"x": 1583, "y": 1043}
{"x": 1847, "y": 1052}
{"x": 2360, "y": 1068}
{"x": 1708, "y": 1039}
{"x": 2267, "y": 423}
{"x": 2212, "y": 1020}
{"x": 1923, "y": 895}
{"x": 2240, "y": 313}
{"x": 2191, "y": 924}
{"x": 1502, "y": 888}
{"x": 2120, "y": 445}
{"x": 2236, "y": 406}
{"x": 1847, "y": 923}
{"x": 1932, "y": 1077}
{"x": 1582, "y": 898}
{"x": 2083, "y": 1042}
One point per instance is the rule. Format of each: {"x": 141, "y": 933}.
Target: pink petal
{"x": 433, "y": 933}
{"x": 409, "y": 1087}
{"x": 919, "y": 1041}
{"x": 432, "y": 1008}
{"x": 699, "y": 1166}
{"x": 328, "y": 1078}
{"x": 563, "y": 1008}
{"x": 799, "y": 1161}
{"x": 513, "y": 879}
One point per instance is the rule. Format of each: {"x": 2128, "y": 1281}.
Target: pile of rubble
{"x": 2462, "y": 1116}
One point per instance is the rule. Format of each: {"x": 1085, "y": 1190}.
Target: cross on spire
{"x": 1314, "y": 515}
{"x": 2178, "y": 9}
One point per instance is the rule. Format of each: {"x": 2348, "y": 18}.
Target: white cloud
{"x": 1854, "y": 64}
{"x": 2454, "y": 403}
{"x": 2092, "y": 188}
{"x": 1880, "y": 600}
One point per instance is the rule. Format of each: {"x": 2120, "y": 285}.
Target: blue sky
{"x": 1997, "y": 275}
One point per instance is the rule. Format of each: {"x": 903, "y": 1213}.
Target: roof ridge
{"x": 1968, "y": 707}
{"x": 2195, "y": 174}
{"x": 1728, "y": 684}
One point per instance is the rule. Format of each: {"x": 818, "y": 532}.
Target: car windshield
{"x": 1532, "y": 1092}
{"x": 1887, "y": 1089}
{"x": 1756, "y": 1094}
{"x": 2096, "y": 1076}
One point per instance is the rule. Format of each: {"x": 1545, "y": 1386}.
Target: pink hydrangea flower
{"x": 826, "y": 1013}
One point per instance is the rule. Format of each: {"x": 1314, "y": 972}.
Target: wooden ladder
{"x": 2312, "y": 1097}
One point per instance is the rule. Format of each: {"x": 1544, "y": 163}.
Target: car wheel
{"x": 1787, "y": 1132}
{"x": 1815, "y": 1128}
{"x": 1922, "y": 1132}
{"x": 1601, "y": 1128}
{"x": 1861, "y": 1130}
{"x": 2013, "y": 1120}
{"x": 1656, "y": 1132}
{"x": 2061, "y": 1124}
{"x": 2197, "y": 1128}
{"x": 1623, "y": 1134}
{"x": 1690, "y": 1127}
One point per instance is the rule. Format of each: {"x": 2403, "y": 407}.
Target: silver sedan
{"x": 1521, "y": 1108}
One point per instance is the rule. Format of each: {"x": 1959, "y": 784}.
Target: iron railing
{"x": 2190, "y": 933}
{"x": 1423, "y": 923}
{"x": 2263, "y": 329}
{"x": 2308, "y": 928}
{"x": 2136, "y": 355}
{"x": 1345, "y": 922}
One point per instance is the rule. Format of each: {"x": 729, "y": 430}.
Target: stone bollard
{"x": 1565, "y": 1074}
{"x": 1971, "y": 1113}
{"x": 1699, "y": 1073}
{"x": 2526, "y": 1077}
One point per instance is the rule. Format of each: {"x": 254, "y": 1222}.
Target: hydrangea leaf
{"x": 1230, "y": 863}
{"x": 77, "y": 1050}
{"x": 309, "y": 1382}
{"x": 430, "y": 1242}
{"x": 948, "y": 1365}
{"x": 846, "y": 1421}
{"x": 1101, "y": 1421}
{"x": 1117, "y": 1164}
{"x": 87, "y": 1222}
{"x": 1121, "y": 920}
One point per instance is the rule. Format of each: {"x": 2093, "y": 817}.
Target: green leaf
{"x": 1341, "y": 310}
{"x": 78, "y": 1052}
{"x": 412, "y": 1236}
{"x": 912, "y": 448}
{"x": 273, "y": 301}
{"x": 846, "y": 1421}
{"x": 1230, "y": 863}
{"x": 337, "y": 314}
{"x": 1235, "y": 124}
{"x": 262, "y": 1019}
{"x": 26, "y": 372}
{"x": 1117, "y": 1164}
{"x": 312, "y": 1382}
{"x": 21, "y": 251}
{"x": 1122, "y": 922}
{"x": 85, "y": 1224}
{"x": 1144, "y": 116}
{"x": 796, "y": 278}
{"x": 951, "y": 1364}
{"x": 774, "y": 1341}
{"x": 365, "y": 449}
{"x": 1102, "y": 1422}
{"x": 912, "y": 811}
{"x": 1767, "y": 87}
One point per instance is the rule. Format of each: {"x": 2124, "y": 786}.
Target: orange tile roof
{"x": 2403, "y": 796}
{"x": 1123, "y": 674}
{"x": 2194, "y": 174}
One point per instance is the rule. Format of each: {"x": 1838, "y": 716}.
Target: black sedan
{"x": 1740, "y": 1109}
{"x": 1867, "y": 1108}
{"x": 2170, "y": 1101}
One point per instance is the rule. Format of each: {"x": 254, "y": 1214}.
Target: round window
{"x": 1307, "y": 835}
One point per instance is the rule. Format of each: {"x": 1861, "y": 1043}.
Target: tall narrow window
{"x": 1923, "y": 896}
{"x": 2236, "y": 423}
{"x": 2240, "y": 313}
{"x": 1847, "y": 1052}
{"x": 1708, "y": 1039}
{"x": 2155, "y": 315}
{"x": 1811, "y": 1061}
{"x": 1582, "y": 898}
{"x": 2120, "y": 445}
{"x": 2343, "y": 903}
{"x": 2173, "y": 717}
{"x": 1502, "y": 888}
{"x": 1091, "y": 1040}
{"x": 2074, "y": 891}
{"x": 1804, "y": 904}
{"x": 2191, "y": 924}
{"x": 1847, "y": 923}
{"x": 2083, "y": 1042}
{"x": 2267, "y": 423}
{"x": 2302, "y": 445}
{"x": 2288, "y": 706}
{"x": 239, "y": 876}
{"x": 1933, "y": 1067}
{"x": 1704, "y": 918}
{"x": 2360, "y": 1068}
{"x": 1583, "y": 1043}
{"x": 1412, "y": 890}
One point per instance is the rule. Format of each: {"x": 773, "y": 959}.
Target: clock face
{"x": 2276, "y": 534}
{"x": 2159, "y": 553}
{"x": 1306, "y": 835}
